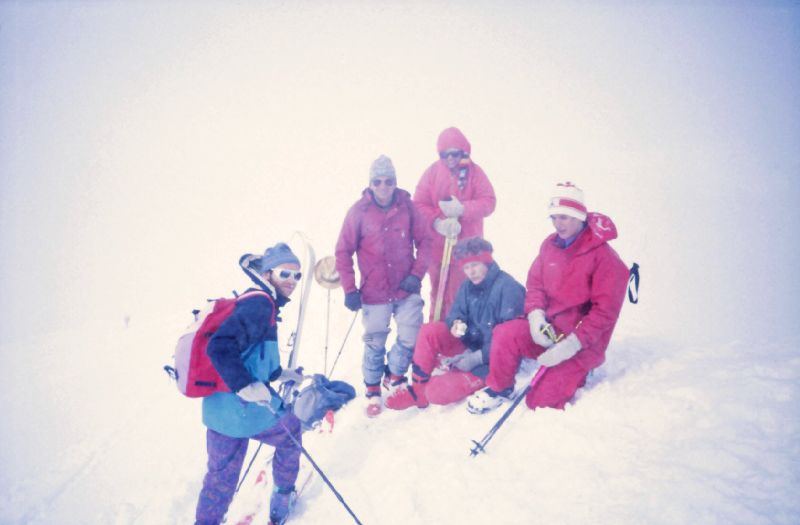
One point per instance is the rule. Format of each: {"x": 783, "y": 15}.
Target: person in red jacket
{"x": 383, "y": 229}
{"x": 454, "y": 195}
{"x": 575, "y": 290}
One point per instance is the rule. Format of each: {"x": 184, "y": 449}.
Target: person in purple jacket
{"x": 392, "y": 244}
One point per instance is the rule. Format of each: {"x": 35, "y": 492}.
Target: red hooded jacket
{"x": 383, "y": 240}
{"x": 437, "y": 183}
{"x": 585, "y": 282}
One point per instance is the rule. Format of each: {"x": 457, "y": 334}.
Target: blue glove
{"x": 411, "y": 284}
{"x": 352, "y": 301}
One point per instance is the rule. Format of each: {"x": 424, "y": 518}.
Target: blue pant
{"x": 225, "y": 458}
{"x": 376, "y": 318}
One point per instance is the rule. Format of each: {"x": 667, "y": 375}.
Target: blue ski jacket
{"x": 496, "y": 299}
{"x": 245, "y": 349}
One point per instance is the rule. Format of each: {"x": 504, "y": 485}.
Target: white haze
{"x": 144, "y": 146}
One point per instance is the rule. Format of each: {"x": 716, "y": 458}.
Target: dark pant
{"x": 225, "y": 458}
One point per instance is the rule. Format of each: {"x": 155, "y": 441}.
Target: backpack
{"x": 322, "y": 395}
{"x": 193, "y": 371}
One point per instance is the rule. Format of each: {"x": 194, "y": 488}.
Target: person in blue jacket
{"x": 244, "y": 350}
{"x": 460, "y": 346}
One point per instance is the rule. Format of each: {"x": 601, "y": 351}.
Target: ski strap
{"x": 633, "y": 284}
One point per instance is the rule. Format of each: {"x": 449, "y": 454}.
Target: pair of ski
{"x": 254, "y": 508}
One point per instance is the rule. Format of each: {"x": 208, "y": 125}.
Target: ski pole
{"x": 248, "y": 467}
{"x": 449, "y": 242}
{"x": 327, "y": 331}
{"x": 343, "y": 343}
{"x": 480, "y": 446}
{"x": 314, "y": 464}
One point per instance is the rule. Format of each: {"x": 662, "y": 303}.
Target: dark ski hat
{"x": 277, "y": 255}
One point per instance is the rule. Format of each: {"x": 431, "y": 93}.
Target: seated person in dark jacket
{"x": 461, "y": 344}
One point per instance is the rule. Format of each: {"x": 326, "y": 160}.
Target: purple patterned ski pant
{"x": 225, "y": 459}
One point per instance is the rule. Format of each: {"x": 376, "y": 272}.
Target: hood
{"x": 601, "y": 226}
{"x": 452, "y": 138}
{"x": 599, "y": 230}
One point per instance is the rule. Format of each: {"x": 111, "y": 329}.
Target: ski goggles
{"x": 457, "y": 153}
{"x": 283, "y": 275}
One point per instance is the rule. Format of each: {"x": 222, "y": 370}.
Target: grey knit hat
{"x": 277, "y": 255}
{"x": 382, "y": 167}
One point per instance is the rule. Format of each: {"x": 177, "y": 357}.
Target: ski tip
{"x": 247, "y": 259}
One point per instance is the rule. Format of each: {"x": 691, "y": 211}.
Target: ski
{"x": 305, "y": 290}
{"x": 255, "y": 499}
{"x": 300, "y": 487}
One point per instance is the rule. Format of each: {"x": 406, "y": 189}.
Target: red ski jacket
{"x": 585, "y": 282}
{"x": 437, "y": 183}
{"x": 383, "y": 240}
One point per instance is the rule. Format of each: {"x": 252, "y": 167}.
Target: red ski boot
{"x": 407, "y": 397}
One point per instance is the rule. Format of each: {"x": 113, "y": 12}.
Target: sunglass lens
{"x": 285, "y": 274}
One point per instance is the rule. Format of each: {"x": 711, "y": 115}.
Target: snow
{"x": 144, "y": 147}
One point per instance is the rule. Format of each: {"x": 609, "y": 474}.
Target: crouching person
{"x": 461, "y": 344}
{"x": 575, "y": 290}
{"x": 244, "y": 351}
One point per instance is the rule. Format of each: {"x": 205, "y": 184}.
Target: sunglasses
{"x": 386, "y": 182}
{"x": 285, "y": 274}
{"x": 457, "y": 153}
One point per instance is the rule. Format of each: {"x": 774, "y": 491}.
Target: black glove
{"x": 411, "y": 284}
{"x": 352, "y": 300}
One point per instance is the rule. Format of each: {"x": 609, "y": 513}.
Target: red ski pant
{"x": 511, "y": 341}
{"x": 433, "y": 343}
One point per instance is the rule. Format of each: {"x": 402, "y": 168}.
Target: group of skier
{"x": 482, "y": 322}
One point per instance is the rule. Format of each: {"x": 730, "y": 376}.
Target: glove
{"x": 295, "y": 375}
{"x": 459, "y": 328}
{"x": 560, "y": 351}
{"x": 449, "y": 227}
{"x": 352, "y": 300}
{"x": 538, "y": 323}
{"x": 256, "y": 392}
{"x": 452, "y": 208}
{"x": 468, "y": 360}
{"x": 411, "y": 284}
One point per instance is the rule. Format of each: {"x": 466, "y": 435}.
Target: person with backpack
{"x": 392, "y": 246}
{"x": 244, "y": 351}
{"x": 455, "y": 196}
{"x": 460, "y": 346}
{"x": 575, "y": 289}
